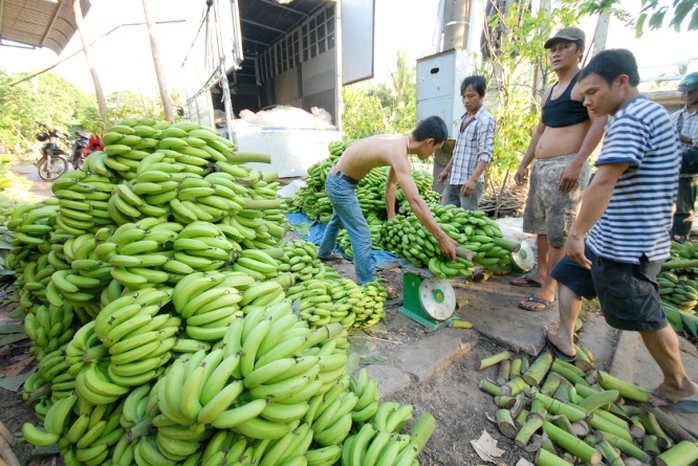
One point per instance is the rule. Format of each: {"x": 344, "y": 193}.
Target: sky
{"x": 124, "y": 62}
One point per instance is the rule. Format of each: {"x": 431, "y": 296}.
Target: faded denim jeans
{"x": 347, "y": 213}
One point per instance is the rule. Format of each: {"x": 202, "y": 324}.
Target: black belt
{"x": 347, "y": 178}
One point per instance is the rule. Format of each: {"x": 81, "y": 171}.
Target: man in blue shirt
{"x": 625, "y": 216}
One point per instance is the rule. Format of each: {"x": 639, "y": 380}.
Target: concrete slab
{"x": 632, "y": 362}
{"x": 390, "y": 379}
{"x": 501, "y": 319}
{"x": 427, "y": 355}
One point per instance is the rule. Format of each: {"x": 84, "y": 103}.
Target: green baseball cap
{"x": 570, "y": 34}
{"x": 689, "y": 82}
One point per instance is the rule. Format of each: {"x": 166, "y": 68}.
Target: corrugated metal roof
{"x": 39, "y": 23}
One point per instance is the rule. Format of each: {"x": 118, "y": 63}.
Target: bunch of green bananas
{"x": 373, "y": 445}
{"x": 300, "y": 258}
{"x": 366, "y": 391}
{"x": 407, "y": 237}
{"x": 49, "y": 327}
{"x": 371, "y": 308}
{"x": 82, "y": 202}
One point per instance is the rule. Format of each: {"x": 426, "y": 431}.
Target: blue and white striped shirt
{"x": 474, "y": 143}
{"x": 638, "y": 218}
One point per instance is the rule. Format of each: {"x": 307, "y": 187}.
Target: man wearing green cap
{"x": 686, "y": 122}
{"x": 563, "y": 140}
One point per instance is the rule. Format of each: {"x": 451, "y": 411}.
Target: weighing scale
{"x": 427, "y": 300}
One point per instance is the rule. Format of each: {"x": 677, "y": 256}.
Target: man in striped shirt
{"x": 625, "y": 216}
{"x": 473, "y": 150}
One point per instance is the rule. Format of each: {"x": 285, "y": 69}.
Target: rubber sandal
{"x": 665, "y": 404}
{"x": 528, "y": 282}
{"x": 557, "y": 351}
{"x": 533, "y": 299}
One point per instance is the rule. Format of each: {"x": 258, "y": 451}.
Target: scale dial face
{"x": 437, "y": 297}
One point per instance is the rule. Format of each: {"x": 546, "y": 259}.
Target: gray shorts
{"x": 452, "y": 196}
{"x": 548, "y": 211}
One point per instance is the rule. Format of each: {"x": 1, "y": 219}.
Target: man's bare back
{"x": 375, "y": 151}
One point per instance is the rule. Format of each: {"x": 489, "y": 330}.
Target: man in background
{"x": 686, "y": 122}
{"x": 473, "y": 150}
{"x": 559, "y": 149}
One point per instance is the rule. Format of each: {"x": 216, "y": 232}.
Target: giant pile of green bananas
{"x": 474, "y": 231}
{"x": 154, "y": 287}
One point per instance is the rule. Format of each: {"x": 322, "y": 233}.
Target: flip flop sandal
{"x": 681, "y": 406}
{"x": 533, "y": 299}
{"x": 528, "y": 282}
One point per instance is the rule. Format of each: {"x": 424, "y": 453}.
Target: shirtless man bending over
{"x": 354, "y": 164}
{"x": 561, "y": 145}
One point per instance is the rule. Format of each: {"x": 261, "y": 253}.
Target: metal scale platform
{"x": 427, "y": 300}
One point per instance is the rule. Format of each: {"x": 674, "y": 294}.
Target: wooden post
{"x": 101, "y": 100}
{"x": 159, "y": 71}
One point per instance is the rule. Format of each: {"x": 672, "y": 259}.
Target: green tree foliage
{"x": 47, "y": 98}
{"x": 518, "y": 70}
{"x": 381, "y": 108}
{"x": 654, "y": 13}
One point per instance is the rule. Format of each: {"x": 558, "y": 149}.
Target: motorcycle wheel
{"x": 77, "y": 161}
{"x": 50, "y": 169}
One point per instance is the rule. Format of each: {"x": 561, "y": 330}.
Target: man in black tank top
{"x": 560, "y": 147}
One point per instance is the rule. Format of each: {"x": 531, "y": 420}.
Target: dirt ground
{"x": 452, "y": 395}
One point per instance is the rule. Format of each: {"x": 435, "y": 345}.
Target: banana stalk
{"x": 514, "y": 387}
{"x": 569, "y": 372}
{"x": 534, "y": 375}
{"x": 623, "y": 445}
{"x": 599, "y": 423}
{"x": 563, "y": 423}
{"x": 626, "y": 390}
{"x": 676, "y": 432}
{"x": 545, "y": 458}
{"x": 652, "y": 426}
{"x": 529, "y": 428}
{"x": 522, "y": 417}
{"x": 612, "y": 457}
{"x": 572, "y": 412}
{"x": 581, "y": 428}
{"x": 572, "y": 444}
{"x": 515, "y": 368}
{"x": 681, "y": 454}
{"x": 551, "y": 384}
{"x": 504, "y": 371}
{"x": 597, "y": 400}
{"x": 492, "y": 360}
{"x": 505, "y": 423}
{"x": 538, "y": 410}
{"x": 650, "y": 445}
{"x": 488, "y": 387}
{"x": 637, "y": 429}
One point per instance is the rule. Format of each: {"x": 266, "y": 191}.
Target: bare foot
{"x": 565, "y": 347}
{"x": 664, "y": 394}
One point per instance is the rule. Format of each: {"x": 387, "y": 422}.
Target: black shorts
{"x": 628, "y": 293}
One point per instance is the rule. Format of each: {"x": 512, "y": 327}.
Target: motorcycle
{"x": 77, "y": 145}
{"x": 53, "y": 162}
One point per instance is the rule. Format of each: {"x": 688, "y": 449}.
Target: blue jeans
{"x": 453, "y": 196}
{"x": 683, "y": 217}
{"x": 347, "y": 213}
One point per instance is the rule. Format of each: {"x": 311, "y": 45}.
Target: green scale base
{"x": 412, "y": 306}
